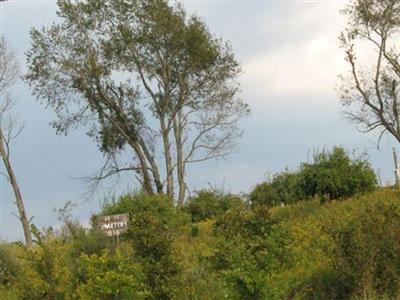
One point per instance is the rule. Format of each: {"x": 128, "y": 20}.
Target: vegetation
{"x": 145, "y": 78}
{"x": 308, "y": 250}
{"x": 369, "y": 90}
{"x": 331, "y": 175}
{"x": 207, "y": 204}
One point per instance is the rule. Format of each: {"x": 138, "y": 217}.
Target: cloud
{"x": 308, "y": 64}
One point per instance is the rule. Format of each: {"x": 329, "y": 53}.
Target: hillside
{"x": 344, "y": 249}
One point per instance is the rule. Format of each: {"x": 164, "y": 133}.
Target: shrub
{"x": 335, "y": 175}
{"x": 207, "y": 204}
{"x": 251, "y": 246}
{"x": 331, "y": 175}
{"x": 111, "y": 276}
{"x": 46, "y": 271}
{"x": 283, "y": 188}
{"x": 154, "y": 224}
{"x": 9, "y": 267}
{"x": 367, "y": 252}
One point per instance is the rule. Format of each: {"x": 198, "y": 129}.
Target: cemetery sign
{"x": 113, "y": 225}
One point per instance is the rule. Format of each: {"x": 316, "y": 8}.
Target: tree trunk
{"x": 179, "y": 159}
{"x": 153, "y": 166}
{"x": 168, "y": 158}
{"x": 17, "y": 192}
{"x": 147, "y": 185}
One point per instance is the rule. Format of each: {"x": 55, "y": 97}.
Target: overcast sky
{"x": 290, "y": 59}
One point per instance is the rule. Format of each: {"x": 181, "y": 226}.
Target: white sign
{"x": 113, "y": 225}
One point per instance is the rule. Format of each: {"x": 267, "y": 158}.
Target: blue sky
{"x": 290, "y": 59}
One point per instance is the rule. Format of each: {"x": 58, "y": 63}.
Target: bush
{"x": 251, "y": 246}
{"x": 283, "y": 188}
{"x": 342, "y": 250}
{"x": 335, "y": 175}
{"x": 209, "y": 204}
{"x": 46, "y": 270}
{"x": 332, "y": 175}
{"x": 9, "y": 267}
{"x": 154, "y": 225}
{"x": 367, "y": 252}
{"x": 111, "y": 276}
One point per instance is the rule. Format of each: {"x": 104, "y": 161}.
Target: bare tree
{"x": 371, "y": 91}
{"x": 10, "y": 129}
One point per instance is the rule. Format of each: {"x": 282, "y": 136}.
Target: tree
{"x": 9, "y": 129}
{"x": 371, "y": 95}
{"x": 142, "y": 75}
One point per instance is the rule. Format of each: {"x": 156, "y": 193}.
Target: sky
{"x": 290, "y": 59}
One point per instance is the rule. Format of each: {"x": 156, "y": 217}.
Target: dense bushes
{"x": 283, "y": 188}
{"x": 342, "y": 250}
{"x": 154, "y": 225}
{"x": 210, "y": 203}
{"x": 367, "y": 252}
{"x": 339, "y": 250}
{"x": 112, "y": 276}
{"x": 335, "y": 175}
{"x": 9, "y": 268}
{"x": 331, "y": 175}
{"x": 251, "y": 245}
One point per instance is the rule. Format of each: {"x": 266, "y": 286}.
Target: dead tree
{"x": 9, "y": 130}
{"x": 370, "y": 90}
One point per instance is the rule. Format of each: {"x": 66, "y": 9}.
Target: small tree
{"x": 372, "y": 94}
{"x": 9, "y": 129}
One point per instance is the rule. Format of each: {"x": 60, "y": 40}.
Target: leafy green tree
{"x": 141, "y": 75}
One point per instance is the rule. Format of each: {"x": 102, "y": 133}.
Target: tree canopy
{"x": 143, "y": 77}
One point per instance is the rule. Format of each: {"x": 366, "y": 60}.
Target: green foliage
{"x": 46, "y": 273}
{"x": 251, "y": 247}
{"x": 9, "y": 267}
{"x": 331, "y": 175}
{"x": 335, "y": 175}
{"x": 341, "y": 250}
{"x": 283, "y": 188}
{"x": 367, "y": 252}
{"x": 338, "y": 250}
{"x": 111, "y": 276}
{"x": 209, "y": 204}
{"x": 154, "y": 225}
